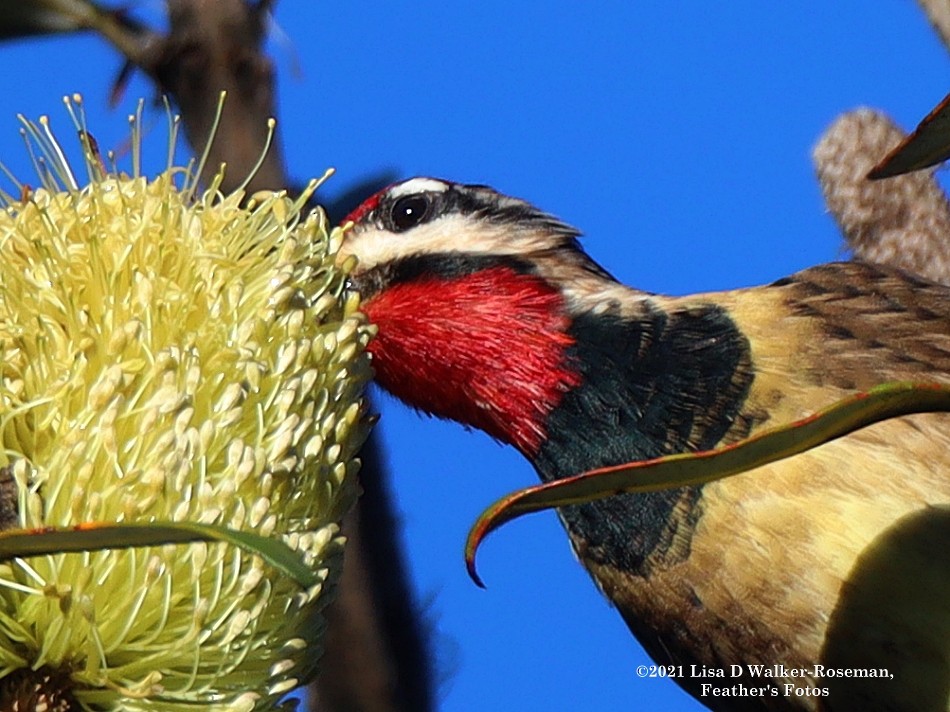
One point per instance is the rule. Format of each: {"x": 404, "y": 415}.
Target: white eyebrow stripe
{"x": 418, "y": 185}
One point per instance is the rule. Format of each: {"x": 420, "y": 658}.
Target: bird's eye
{"x": 409, "y": 211}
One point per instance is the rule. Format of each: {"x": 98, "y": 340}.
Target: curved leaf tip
{"x": 859, "y": 410}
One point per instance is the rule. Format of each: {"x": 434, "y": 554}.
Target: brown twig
{"x": 902, "y": 221}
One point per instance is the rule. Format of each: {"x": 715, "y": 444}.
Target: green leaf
{"x": 927, "y": 146}
{"x": 94, "y": 536}
{"x": 889, "y": 400}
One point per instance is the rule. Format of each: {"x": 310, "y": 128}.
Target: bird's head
{"x": 429, "y": 226}
{"x": 465, "y": 285}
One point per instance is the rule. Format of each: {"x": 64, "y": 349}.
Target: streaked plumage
{"x": 489, "y": 313}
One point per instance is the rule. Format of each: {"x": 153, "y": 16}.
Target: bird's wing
{"x": 838, "y": 556}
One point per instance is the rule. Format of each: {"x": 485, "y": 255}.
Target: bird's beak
{"x": 348, "y": 262}
{"x": 355, "y": 284}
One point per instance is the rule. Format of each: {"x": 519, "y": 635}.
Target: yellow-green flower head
{"x": 171, "y": 356}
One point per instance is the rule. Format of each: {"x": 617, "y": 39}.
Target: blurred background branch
{"x": 904, "y": 220}
{"x": 938, "y": 12}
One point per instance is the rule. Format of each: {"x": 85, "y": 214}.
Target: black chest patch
{"x": 658, "y": 384}
{"x": 436, "y": 266}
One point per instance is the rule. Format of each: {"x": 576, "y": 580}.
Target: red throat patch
{"x": 488, "y": 350}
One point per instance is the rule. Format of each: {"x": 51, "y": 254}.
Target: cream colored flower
{"x": 172, "y": 356}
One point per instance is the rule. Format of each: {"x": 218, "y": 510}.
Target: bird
{"x": 816, "y": 582}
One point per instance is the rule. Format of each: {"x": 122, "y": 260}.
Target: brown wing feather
{"x": 875, "y": 322}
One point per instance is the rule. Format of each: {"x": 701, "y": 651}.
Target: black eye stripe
{"x": 438, "y": 266}
{"x": 401, "y": 213}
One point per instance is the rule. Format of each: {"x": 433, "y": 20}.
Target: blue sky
{"x": 675, "y": 135}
